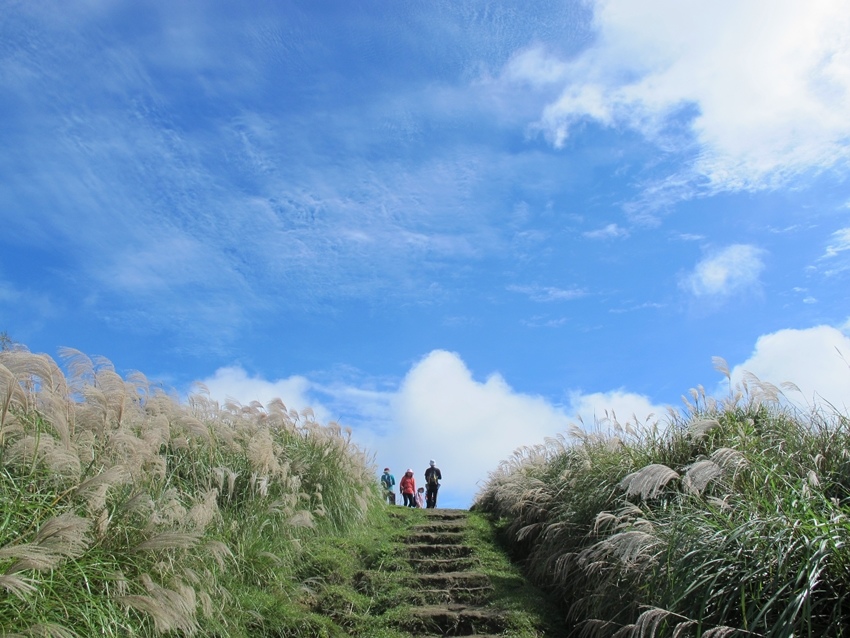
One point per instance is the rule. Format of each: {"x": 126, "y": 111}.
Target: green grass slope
{"x": 128, "y": 512}
{"x": 732, "y": 519}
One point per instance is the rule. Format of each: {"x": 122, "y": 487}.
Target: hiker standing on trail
{"x": 433, "y": 476}
{"x": 408, "y": 489}
{"x": 388, "y": 483}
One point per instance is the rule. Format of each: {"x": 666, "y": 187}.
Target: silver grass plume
{"x": 168, "y": 540}
{"x": 94, "y": 489}
{"x": 648, "y": 481}
{"x": 220, "y": 552}
{"x": 171, "y": 513}
{"x": 624, "y": 632}
{"x": 28, "y": 556}
{"x": 647, "y": 624}
{"x": 682, "y": 628}
{"x": 80, "y": 367}
{"x": 700, "y": 427}
{"x": 698, "y": 475}
{"x": 226, "y": 479}
{"x": 63, "y": 462}
{"x": 18, "y": 586}
{"x": 630, "y": 548}
{"x": 170, "y": 609}
{"x": 204, "y": 511}
{"x": 11, "y": 394}
{"x": 50, "y": 630}
{"x": 66, "y": 535}
{"x": 301, "y": 518}
{"x": 61, "y": 537}
{"x": 763, "y": 391}
{"x": 731, "y": 460}
{"x": 721, "y": 366}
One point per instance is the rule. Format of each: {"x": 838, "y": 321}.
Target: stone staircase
{"x": 451, "y": 598}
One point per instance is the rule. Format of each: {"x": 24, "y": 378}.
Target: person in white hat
{"x": 433, "y": 476}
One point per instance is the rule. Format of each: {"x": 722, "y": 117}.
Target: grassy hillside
{"x": 730, "y": 519}
{"x": 128, "y": 512}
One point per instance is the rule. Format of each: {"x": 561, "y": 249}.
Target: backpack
{"x": 386, "y": 481}
{"x": 432, "y": 478}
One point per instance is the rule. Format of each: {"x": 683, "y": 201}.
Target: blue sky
{"x": 455, "y": 227}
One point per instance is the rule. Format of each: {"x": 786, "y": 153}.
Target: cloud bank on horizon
{"x": 440, "y": 411}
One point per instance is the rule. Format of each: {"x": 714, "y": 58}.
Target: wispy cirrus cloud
{"x": 836, "y": 257}
{"x": 840, "y": 242}
{"x": 548, "y": 293}
{"x": 166, "y": 206}
{"x": 610, "y": 231}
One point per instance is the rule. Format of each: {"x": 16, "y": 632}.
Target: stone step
{"x": 451, "y": 580}
{"x": 434, "y": 538}
{"x": 456, "y": 596}
{"x": 455, "y": 620}
{"x": 446, "y": 515}
{"x": 439, "y": 526}
{"x": 438, "y": 551}
{"x": 431, "y": 565}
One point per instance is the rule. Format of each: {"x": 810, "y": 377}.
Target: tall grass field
{"x": 129, "y": 512}
{"x": 730, "y": 518}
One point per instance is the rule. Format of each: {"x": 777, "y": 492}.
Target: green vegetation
{"x": 127, "y": 512}
{"x": 731, "y": 519}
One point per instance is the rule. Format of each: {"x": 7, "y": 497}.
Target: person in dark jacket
{"x": 388, "y": 483}
{"x": 433, "y": 476}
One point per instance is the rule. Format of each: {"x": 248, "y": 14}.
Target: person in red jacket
{"x": 407, "y": 487}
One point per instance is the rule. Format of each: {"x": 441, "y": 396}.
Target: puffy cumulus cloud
{"x": 234, "y": 383}
{"x": 604, "y": 408}
{"x": 765, "y": 86}
{"x": 467, "y": 426}
{"x": 816, "y": 360}
{"x": 438, "y": 411}
{"x": 728, "y": 271}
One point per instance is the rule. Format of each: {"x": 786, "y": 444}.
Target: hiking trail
{"x": 448, "y": 589}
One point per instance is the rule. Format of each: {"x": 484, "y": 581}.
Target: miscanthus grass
{"x": 729, "y": 518}
{"x": 127, "y": 512}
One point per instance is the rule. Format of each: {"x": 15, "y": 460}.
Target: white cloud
{"x": 734, "y": 269}
{"x": 768, "y": 83}
{"x": 438, "y": 411}
{"x": 234, "y": 383}
{"x": 840, "y": 243}
{"x": 611, "y": 231}
{"x": 548, "y": 293}
{"x": 816, "y": 360}
{"x": 616, "y": 405}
